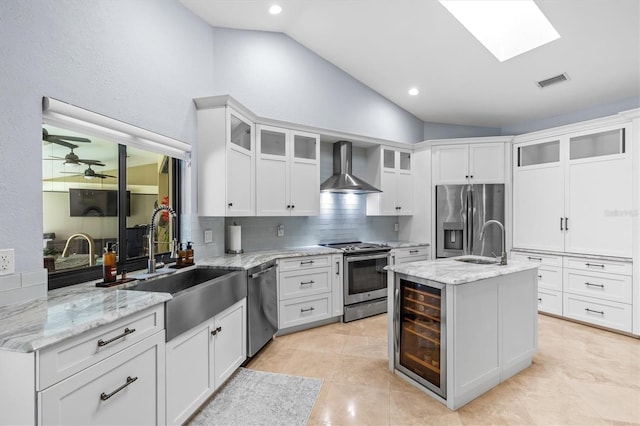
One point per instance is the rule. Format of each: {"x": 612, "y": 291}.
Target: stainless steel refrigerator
{"x": 461, "y": 210}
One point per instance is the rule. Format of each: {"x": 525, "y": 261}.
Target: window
{"x": 100, "y": 192}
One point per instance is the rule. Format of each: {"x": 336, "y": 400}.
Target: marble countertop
{"x": 453, "y": 272}
{"x": 67, "y": 312}
{"x": 403, "y": 244}
{"x": 568, "y": 254}
{"x": 251, "y": 259}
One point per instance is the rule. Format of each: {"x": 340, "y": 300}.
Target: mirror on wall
{"x": 80, "y": 176}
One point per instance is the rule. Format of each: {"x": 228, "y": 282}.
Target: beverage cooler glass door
{"x": 419, "y": 322}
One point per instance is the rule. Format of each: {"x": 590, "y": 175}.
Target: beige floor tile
{"x": 615, "y": 403}
{"x": 362, "y": 371}
{"x": 411, "y": 408}
{"x": 322, "y": 342}
{"x": 353, "y": 405}
{"x": 320, "y": 365}
{"x": 366, "y": 347}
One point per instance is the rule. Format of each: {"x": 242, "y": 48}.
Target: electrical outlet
{"x": 7, "y": 262}
{"x": 280, "y": 230}
{"x": 396, "y": 227}
{"x": 208, "y": 236}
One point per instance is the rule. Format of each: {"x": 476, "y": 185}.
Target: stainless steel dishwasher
{"x": 262, "y": 310}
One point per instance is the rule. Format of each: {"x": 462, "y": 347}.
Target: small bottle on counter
{"x": 109, "y": 264}
{"x": 189, "y": 254}
{"x": 181, "y": 255}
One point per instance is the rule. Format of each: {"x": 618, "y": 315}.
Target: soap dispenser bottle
{"x": 109, "y": 264}
{"x": 189, "y": 253}
{"x": 181, "y": 255}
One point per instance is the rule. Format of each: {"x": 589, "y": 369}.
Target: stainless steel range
{"x": 365, "y": 280}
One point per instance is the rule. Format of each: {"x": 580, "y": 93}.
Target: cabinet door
{"x": 304, "y": 175}
{"x": 189, "y": 378}
{"x": 404, "y": 193}
{"x": 451, "y": 164}
{"x": 599, "y": 195}
{"x": 337, "y": 289}
{"x": 126, "y": 388}
{"x": 240, "y": 194}
{"x": 486, "y": 163}
{"x": 389, "y": 196}
{"x": 538, "y": 196}
{"x": 272, "y": 165}
{"x": 229, "y": 341}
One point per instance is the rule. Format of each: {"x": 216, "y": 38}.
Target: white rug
{"x": 253, "y": 397}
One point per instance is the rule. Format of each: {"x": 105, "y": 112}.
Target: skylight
{"x": 505, "y": 28}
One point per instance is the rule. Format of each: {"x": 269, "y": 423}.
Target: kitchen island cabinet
{"x": 458, "y": 329}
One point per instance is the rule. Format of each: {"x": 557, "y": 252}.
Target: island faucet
{"x": 503, "y": 256}
{"x": 151, "y": 267}
{"x": 92, "y": 259}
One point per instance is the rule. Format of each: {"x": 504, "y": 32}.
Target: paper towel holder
{"x": 233, "y": 251}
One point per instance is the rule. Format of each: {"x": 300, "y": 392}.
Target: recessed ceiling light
{"x": 275, "y": 9}
{"x": 413, "y": 91}
{"x": 505, "y": 28}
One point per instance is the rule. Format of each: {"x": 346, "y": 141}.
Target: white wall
{"x": 276, "y": 77}
{"x": 138, "y": 61}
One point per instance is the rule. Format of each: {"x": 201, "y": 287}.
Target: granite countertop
{"x": 453, "y": 272}
{"x": 403, "y": 244}
{"x": 245, "y": 261}
{"x": 67, "y": 312}
{"x": 569, "y": 254}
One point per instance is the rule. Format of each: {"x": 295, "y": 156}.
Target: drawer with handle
{"x": 550, "y": 277}
{"x": 303, "y": 310}
{"x": 597, "y": 311}
{"x": 612, "y": 267}
{"x": 613, "y": 287}
{"x": 303, "y": 262}
{"x": 410, "y": 254}
{"x": 77, "y": 353}
{"x": 121, "y": 390}
{"x": 550, "y": 301}
{"x": 304, "y": 283}
{"x": 542, "y": 259}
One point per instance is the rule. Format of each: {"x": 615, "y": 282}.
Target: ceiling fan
{"x": 89, "y": 173}
{"x": 72, "y": 157}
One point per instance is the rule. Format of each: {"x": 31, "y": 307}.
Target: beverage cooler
{"x": 419, "y": 331}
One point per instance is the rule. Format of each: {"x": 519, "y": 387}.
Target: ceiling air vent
{"x": 553, "y": 80}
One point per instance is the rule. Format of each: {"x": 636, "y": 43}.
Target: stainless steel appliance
{"x": 364, "y": 278}
{"x": 461, "y": 210}
{"x": 262, "y": 306}
{"x": 343, "y": 180}
{"x": 419, "y": 330}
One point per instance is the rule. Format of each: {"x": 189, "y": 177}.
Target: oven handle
{"x": 370, "y": 257}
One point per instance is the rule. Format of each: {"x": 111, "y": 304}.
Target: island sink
{"x": 198, "y": 294}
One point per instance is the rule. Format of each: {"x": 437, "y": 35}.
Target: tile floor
{"x": 580, "y": 376}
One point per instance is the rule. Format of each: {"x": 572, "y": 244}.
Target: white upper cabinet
{"x": 468, "y": 163}
{"x": 226, "y": 163}
{"x": 288, "y": 172}
{"x": 390, "y": 171}
{"x": 573, "y": 193}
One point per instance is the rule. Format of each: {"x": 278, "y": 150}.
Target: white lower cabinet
{"x": 409, "y": 254}
{"x": 200, "y": 360}
{"x": 123, "y": 389}
{"x": 591, "y": 290}
{"x": 309, "y": 289}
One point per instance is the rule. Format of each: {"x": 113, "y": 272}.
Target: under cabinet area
{"x": 309, "y": 290}
{"x": 287, "y": 172}
{"x": 226, "y": 163}
{"x": 200, "y": 360}
{"x": 389, "y": 170}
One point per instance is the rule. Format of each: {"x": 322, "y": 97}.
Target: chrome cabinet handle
{"x": 566, "y": 223}
{"x": 539, "y": 299}
{"x": 561, "y": 227}
{"x": 539, "y": 259}
{"x": 307, "y": 282}
{"x": 216, "y": 331}
{"x": 230, "y": 204}
{"x": 595, "y": 312}
{"x": 306, "y": 262}
{"x": 307, "y": 310}
{"x": 105, "y": 396}
{"x": 594, "y": 285}
{"x": 414, "y": 251}
{"x": 338, "y": 268}
{"x": 126, "y": 332}
{"x": 588, "y": 265}
{"x": 540, "y": 276}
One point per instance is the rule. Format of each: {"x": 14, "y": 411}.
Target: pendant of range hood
{"x": 343, "y": 180}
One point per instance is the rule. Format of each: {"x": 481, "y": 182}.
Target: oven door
{"x": 365, "y": 277}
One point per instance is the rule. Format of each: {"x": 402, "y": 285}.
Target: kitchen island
{"x": 460, "y": 326}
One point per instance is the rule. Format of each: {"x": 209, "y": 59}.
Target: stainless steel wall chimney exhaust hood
{"x": 343, "y": 179}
